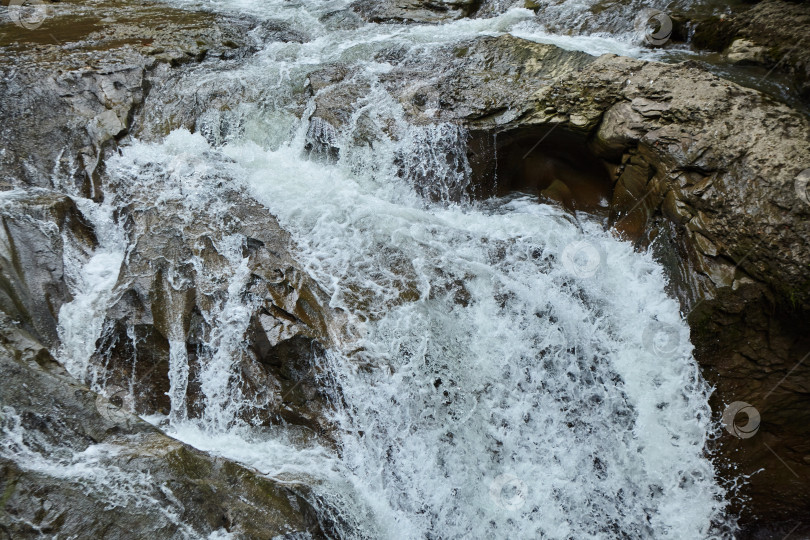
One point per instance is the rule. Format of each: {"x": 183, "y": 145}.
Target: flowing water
{"x": 505, "y": 371}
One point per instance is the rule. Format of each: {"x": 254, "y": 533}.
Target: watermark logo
{"x": 653, "y": 26}
{"x": 451, "y": 410}
{"x": 751, "y": 426}
{"x": 28, "y": 14}
{"x": 662, "y": 339}
{"x": 112, "y": 408}
{"x": 802, "y": 181}
{"x": 464, "y": 409}
{"x": 509, "y": 492}
{"x": 583, "y": 258}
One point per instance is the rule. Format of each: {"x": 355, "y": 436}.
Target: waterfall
{"x": 500, "y": 376}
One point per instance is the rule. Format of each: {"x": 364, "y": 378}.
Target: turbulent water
{"x": 505, "y": 371}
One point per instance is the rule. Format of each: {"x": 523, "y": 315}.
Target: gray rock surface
{"x": 175, "y": 282}
{"x": 75, "y": 84}
{"x": 76, "y": 465}
{"x": 35, "y": 225}
{"x": 422, "y": 11}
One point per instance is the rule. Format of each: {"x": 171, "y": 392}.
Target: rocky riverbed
{"x": 132, "y": 280}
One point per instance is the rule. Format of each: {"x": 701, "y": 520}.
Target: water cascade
{"x": 505, "y": 370}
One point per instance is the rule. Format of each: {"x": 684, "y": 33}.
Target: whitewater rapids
{"x": 502, "y": 372}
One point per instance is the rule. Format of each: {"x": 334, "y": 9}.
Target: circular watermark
{"x": 583, "y": 258}
{"x": 428, "y": 100}
{"x": 450, "y": 410}
{"x": 733, "y": 427}
{"x": 802, "y": 181}
{"x": 508, "y": 491}
{"x": 662, "y": 339}
{"x": 464, "y": 409}
{"x": 112, "y": 406}
{"x": 653, "y": 26}
{"x": 28, "y": 14}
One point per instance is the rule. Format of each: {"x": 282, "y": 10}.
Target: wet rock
{"x": 712, "y": 33}
{"x": 781, "y": 28}
{"x": 342, "y": 19}
{"x": 708, "y": 167}
{"x": 337, "y": 94}
{"x": 76, "y": 465}
{"x": 742, "y": 51}
{"x": 177, "y": 281}
{"x": 85, "y": 76}
{"x": 40, "y": 147}
{"x": 421, "y": 11}
{"x": 771, "y": 33}
{"x": 33, "y": 285}
{"x": 486, "y": 80}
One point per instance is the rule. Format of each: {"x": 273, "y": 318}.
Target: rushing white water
{"x": 512, "y": 373}
{"x": 91, "y": 280}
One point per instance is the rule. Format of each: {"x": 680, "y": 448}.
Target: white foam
{"x": 491, "y": 387}
{"x": 549, "y": 376}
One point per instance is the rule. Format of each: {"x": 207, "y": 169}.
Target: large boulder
{"x": 76, "y": 465}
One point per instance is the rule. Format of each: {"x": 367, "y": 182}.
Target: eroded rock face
{"x": 183, "y": 275}
{"x": 489, "y": 80}
{"x": 35, "y": 226}
{"x": 701, "y": 168}
{"x": 37, "y": 102}
{"x": 76, "y": 465}
{"x": 71, "y": 88}
{"x": 65, "y": 113}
